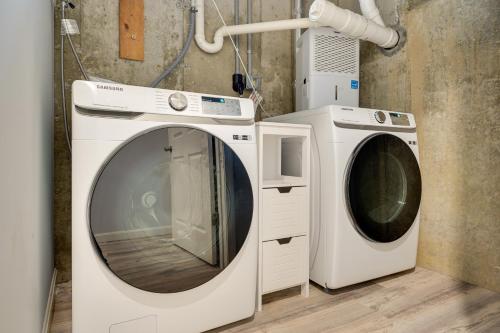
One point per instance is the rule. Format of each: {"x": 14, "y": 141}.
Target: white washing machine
{"x": 366, "y": 191}
{"x": 164, "y": 225}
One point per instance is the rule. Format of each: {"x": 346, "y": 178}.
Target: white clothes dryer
{"x": 164, "y": 216}
{"x": 366, "y": 191}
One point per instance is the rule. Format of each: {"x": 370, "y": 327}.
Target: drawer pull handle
{"x": 286, "y": 189}
{"x": 283, "y": 241}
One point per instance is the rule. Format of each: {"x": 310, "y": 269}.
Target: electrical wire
{"x": 241, "y": 61}
{"x": 65, "y": 33}
{"x": 63, "y": 88}
{"x": 82, "y": 69}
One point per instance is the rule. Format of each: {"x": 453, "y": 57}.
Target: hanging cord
{"x": 241, "y": 61}
{"x": 182, "y": 54}
{"x": 63, "y": 88}
{"x": 82, "y": 69}
{"x": 65, "y": 32}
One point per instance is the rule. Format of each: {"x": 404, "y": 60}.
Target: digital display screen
{"x": 399, "y": 119}
{"x": 220, "y": 106}
{"x": 213, "y": 99}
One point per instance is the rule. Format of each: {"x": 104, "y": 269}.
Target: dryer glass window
{"x": 171, "y": 209}
{"x": 383, "y": 188}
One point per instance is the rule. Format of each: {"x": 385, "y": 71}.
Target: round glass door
{"x": 171, "y": 209}
{"x": 383, "y": 188}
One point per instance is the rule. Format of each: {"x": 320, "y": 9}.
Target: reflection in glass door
{"x": 383, "y": 188}
{"x": 192, "y": 208}
{"x": 171, "y": 209}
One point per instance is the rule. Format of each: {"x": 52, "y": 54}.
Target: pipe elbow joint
{"x": 214, "y": 47}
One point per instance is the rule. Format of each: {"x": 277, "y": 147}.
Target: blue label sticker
{"x": 354, "y": 84}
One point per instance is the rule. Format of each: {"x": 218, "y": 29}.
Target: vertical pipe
{"x": 298, "y": 14}
{"x": 249, "y": 41}
{"x": 237, "y": 37}
{"x": 370, "y": 11}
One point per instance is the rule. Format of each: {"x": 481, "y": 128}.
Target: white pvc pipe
{"x": 232, "y": 30}
{"x": 370, "y": 11}
{"x": 199, "y": 35}
{"x": 321, "y": 13}
{"x": 352, "y": 24}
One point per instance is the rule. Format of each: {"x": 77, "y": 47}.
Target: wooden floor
{"x": 156, "y": 264}
{"x": 417, "y": 301}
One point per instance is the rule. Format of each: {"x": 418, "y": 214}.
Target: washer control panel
{"x": 113, "y": 97}
{"x": 365, "y": 118}
{"x": 388, "y": 118}
{"x": 220, "y": 106}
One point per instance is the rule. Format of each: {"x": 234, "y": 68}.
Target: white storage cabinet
{"x": 284, "y": 203}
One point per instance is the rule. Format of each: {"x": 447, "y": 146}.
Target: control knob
{"x": 178, "y": 101}
{"x": 380, "y": 117}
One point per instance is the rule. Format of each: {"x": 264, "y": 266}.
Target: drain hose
{"x": 183, "y": 52}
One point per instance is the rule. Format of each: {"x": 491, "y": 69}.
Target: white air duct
{"x": 351, "y": 24}
{"x": 370, "y": 11}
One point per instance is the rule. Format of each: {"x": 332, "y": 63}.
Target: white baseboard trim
{"x": 132, "y": 234}
{"x": 47, "y": 319}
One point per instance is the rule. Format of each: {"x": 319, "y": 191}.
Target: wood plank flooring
{"x": 156, "y": 264}
{"x": 415, "y": 301}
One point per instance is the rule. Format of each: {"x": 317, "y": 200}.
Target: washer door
{"x": 171, "y": 209}
{"x": 383, "y": 188}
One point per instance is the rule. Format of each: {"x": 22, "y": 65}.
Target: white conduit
{"x": 298, "y": 14}
{"x": 370, "y": 11}
{"x": 322, "y": 13}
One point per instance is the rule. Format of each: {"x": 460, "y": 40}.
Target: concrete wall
{"x": 453, "y": 53}
{"x": 448, "y": 76}
{"x": 26, "y": 102}
{"x": 165, "y": 29}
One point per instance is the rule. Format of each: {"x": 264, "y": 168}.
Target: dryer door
{"x": 170, "y": 209}
{"x": 383, "y": 188}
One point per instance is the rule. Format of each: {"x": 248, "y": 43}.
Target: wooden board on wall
{"x": 132, "y": 29}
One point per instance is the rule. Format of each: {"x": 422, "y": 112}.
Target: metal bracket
{"x": 183, "y": 4}
{"x": 257, "y": 82}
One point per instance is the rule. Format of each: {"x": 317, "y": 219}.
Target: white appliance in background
{"x": 327, "y": 69}
{"x": 164, "y": 209}
{"x": 366, "y": 191}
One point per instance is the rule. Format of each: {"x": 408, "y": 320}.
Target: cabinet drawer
{"x": 285, "y": 213}
{"x": 284, "y": 265}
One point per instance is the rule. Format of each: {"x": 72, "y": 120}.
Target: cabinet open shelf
{"x": 284, "y": 158}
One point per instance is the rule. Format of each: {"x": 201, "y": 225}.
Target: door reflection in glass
{"x": 383, "y": 188}
{"x": 171, "y": 209}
